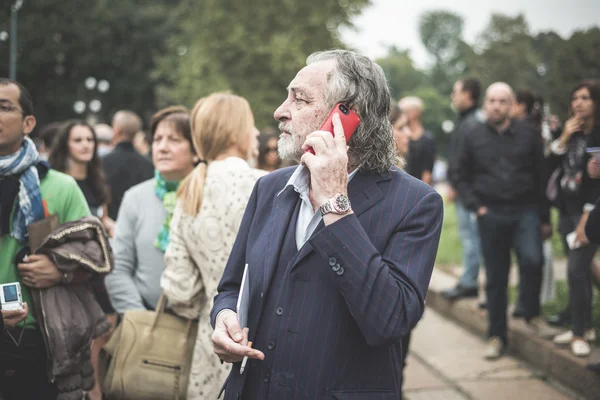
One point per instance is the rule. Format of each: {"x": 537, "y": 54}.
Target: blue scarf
{"x": 29, "y": 206}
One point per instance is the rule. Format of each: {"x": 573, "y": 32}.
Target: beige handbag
{"x": 149, "y": 356}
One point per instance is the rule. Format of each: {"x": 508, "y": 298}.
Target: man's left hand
{"x": 38, "y": 271}
{"x": 329, "y": 165}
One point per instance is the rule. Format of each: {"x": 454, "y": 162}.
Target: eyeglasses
{"x": 271, "y": 149}
{"x": 8, "y": 108}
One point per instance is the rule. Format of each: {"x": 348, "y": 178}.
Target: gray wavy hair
{"x": 360, "y": 83}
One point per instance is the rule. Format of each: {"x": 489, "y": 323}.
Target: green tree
{"x": 506, "y": 53}
{"x": 62, "y": 42}
{"x": 253, "y": 48}
{"x": 441, "y": 34}
{"x": 401, "y": 74}
{"x": 567, "y": 62}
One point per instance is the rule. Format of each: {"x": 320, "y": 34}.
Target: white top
{"x": 198, "y": 251}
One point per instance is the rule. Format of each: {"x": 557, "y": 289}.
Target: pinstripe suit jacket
{"x": 351, "y": 292}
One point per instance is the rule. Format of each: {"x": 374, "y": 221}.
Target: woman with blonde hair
{"x": 210, "y": 205}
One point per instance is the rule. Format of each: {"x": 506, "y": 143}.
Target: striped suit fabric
{"x": 330, "y": 316}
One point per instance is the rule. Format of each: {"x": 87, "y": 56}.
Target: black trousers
{"x": 500, "y": 231}
{"x": 23, "y": 374}
{"x": 580, "y": 278}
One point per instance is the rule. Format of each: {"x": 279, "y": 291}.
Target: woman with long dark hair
{"x": 74, "y": 152}
{"x": 577, "y": 193}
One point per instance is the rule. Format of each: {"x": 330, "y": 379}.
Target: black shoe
{"x": 458, "y": 293}
{"x": 595, "y": 366}
{"x": 518, "y": 313}
{"x": 482, "y": 305}
{"x": 559, "y": 320}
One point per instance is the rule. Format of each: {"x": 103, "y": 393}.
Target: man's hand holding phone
{"x": 230, "y": 341}
{"x": 13, "y": 317}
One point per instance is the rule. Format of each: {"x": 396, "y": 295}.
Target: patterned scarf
{"x": 167, "y": 193}
{"x": 29, "y": 207}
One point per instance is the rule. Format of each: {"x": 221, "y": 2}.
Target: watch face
{"x": 342, "y": 203}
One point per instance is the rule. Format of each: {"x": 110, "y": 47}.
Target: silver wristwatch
{"x": 338, "y": 204}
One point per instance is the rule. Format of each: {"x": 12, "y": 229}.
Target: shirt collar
{"x": 510, "y": 130}
{"x": 300, "y": 180}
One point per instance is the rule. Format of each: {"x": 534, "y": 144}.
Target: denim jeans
{"x": 500, "y": 231}
{"x": 469, "y": 237}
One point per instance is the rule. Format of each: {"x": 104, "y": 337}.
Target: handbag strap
{"x": 160, "y": 309}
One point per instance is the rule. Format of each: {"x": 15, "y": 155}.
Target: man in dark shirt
{"x": 465, "y": 98}
{"x": 421, "y": 150}
{"x": 124, "y": 167}
{"x": 500, "y": 176}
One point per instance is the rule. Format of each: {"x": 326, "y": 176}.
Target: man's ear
{"x": 28, "y": 124}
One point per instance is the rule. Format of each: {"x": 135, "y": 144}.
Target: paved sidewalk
{"x": 446, "y": 363}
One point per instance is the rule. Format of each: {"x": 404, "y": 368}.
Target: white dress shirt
{"x": 308, "y": 219}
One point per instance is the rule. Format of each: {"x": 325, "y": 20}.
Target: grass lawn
{"x": 450, "y": 255}
{"x": 450, "y": 249}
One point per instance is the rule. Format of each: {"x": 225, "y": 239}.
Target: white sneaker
{"x": 580, "y": 348}
{"x": 494, "y": 348}
{"x": 566, "y": 337}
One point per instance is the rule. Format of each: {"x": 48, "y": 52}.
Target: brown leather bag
{"x": 149, "y": 356}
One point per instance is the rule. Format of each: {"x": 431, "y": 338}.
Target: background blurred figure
{"x": 142, "y": 145}
{"x": 577, "y": 193}
{"x": 421, "y": 151}
{"x": 268, "y": 158}
{"x": 124, "y": 167}
{"x": 142, "y": 231}
{"x": 529, "y": 109}
{"x": 74, "y": 153}
{"x": 401, "y": 131}
{"x": 44, "y": 138}
{"x": 500, "y": 176}
{"x": 465, "y": 99}
{"x": 211, "y": 202}
{"x": 104, "y": 138}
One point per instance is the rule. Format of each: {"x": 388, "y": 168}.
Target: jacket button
{"x": 267, "y": 378}
{"x": 336, "y": 267}
{"x": 332, "y": 261}
{"x": 341, "y": 271}
{"x": 279, "y": 311}
{"x": 271, "y": 345}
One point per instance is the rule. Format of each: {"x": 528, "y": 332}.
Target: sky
{"x": 396, "y": 22}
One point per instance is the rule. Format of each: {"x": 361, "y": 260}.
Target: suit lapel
{"x": 363, "y": 192}
{"x": 281, "y": 214}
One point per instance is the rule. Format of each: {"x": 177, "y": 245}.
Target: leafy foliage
{"x": 253, "y": 48}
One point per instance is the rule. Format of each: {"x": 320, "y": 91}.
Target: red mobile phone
{"x": 348, "y": 118}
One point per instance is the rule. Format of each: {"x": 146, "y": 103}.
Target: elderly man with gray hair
{"x": 339, "y": 250}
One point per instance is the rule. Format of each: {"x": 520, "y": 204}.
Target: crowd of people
{"x": 506, "y": 173}
{"x": 337, "y": 244}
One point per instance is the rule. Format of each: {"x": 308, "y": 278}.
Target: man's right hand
{"x": 13, "y": 317}
{"x": 481, "y": 211}
{"x": 230, "y": 341}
